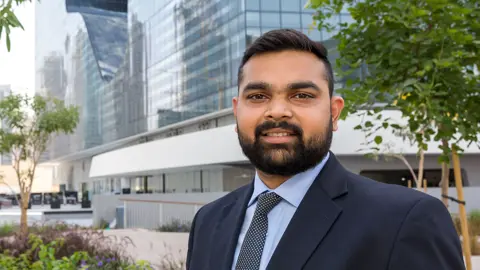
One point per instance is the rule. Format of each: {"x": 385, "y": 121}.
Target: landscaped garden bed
{"x": 61, "y": 246}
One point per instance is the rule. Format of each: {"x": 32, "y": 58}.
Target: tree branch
{"x": 405, "y": 161}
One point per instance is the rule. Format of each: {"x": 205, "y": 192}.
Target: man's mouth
{"x": 278, "y": 133}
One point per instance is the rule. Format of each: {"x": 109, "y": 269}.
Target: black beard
{"x": 290, "y": 159}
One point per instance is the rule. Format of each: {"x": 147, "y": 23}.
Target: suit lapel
{"x": 228, "y": 229}
{"x": 314, "y": 217}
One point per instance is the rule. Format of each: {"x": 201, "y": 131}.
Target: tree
{"x": 29, "y": 125}
{"x": 8, "y": 20}
{"x": 420, "y": 58}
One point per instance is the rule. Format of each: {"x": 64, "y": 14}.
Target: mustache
{"x": 296, "y": 130}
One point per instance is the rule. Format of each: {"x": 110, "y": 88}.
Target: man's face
{"x": 284, "y": 113}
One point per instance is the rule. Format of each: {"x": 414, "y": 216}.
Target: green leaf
{"x": 378, "y": 139}
{"x": 409, "y": 82}
{"x": 368, "y": 124}
{"x": 8, "y": 42}
{"x": 357, "y": 127}
{"x": 13, "y": 20}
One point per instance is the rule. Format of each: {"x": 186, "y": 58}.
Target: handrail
{"x": 160, "y": 201}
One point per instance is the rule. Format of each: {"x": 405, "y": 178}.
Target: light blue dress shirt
{"x": 292, "y": 191}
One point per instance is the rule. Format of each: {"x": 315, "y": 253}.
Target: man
{"x": 304, "y": 210}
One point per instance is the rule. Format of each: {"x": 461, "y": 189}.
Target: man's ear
{"x": 337, "y": 103}
{"x": 235, "y": 105}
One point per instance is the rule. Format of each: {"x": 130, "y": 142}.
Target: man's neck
{"x": 272, "y": 181}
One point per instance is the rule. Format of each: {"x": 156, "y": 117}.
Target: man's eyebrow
{"x": 257, "y": 86}
{"x": 303, "y": 85}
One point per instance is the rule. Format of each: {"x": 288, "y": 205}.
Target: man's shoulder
{"x": 385, "y": 196}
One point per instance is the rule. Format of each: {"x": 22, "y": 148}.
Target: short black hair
{"x": 288, "y": 39}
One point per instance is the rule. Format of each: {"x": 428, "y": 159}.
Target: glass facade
{"x": 134, "y": 66}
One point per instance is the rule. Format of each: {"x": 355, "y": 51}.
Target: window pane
{"x": 270, "y": 5}
{"x": 253, "y": 19}
{"x": 252, "y": 4}
{"x": 270, "y": 19}
{"x": 291, "y": 5}
{"x": 313, "y": 34}
{"x": 306, "y": 20}
{"x": 290, "y": 20}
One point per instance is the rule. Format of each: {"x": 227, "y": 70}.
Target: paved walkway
{"x": 156, "y": 247}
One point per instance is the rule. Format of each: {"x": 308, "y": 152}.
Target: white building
{"x": 207, "y": 157}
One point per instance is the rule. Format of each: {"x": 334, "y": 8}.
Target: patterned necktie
{"x": 252, "y": 247}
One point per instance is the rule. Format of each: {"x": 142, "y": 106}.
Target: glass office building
{"x": 136, "y": 66}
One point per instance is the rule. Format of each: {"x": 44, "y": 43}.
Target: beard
{"x": 286, "y": 159}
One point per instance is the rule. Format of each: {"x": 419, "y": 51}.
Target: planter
{"x": 86, "y": 204}
{"x": 55, "y": 203}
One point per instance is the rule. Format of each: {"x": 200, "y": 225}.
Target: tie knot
{"x": 267, "y": 201}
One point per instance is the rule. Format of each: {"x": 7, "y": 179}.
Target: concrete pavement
{"x": 156, "y": 247}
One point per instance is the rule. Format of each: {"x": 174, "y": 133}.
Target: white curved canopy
{"x": 220, "y": 146}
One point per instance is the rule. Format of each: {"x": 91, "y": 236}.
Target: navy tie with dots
{"x": 252, "y": 247}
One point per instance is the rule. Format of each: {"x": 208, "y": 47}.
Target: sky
{"x": 17, "y": 67}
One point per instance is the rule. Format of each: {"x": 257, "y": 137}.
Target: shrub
{"x": 64, "y": 241}
{"x": 175, "y": 226}
{"x": 475, "y": 243}
{"x": 474, "y": 222}
{"x": 7, "y": 229}
{"x": 473, "y": 229}
{"x": 48, "y": 258}
{"x": 10, "y": 229}
{"x": 171, "y": 262}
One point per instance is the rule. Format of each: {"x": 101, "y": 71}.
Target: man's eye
{"x": 256, "y": 96}
{"x": 302, "y": 96}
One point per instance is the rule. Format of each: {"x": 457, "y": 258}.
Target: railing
{"x": 152, "y": 214}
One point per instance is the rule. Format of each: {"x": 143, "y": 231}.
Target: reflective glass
{"x": 270, "y": 19}
{"x": 290, "y": 20}
{"x": 270, "y": 5}
{"x": 307, "y": 20}
{"x": 253, "y": 19}
{"x": 134, "y": 66}
{"x": 252, "y": 4}
{"x": 291, "y": 5}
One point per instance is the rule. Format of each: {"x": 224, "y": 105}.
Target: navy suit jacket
{"x": 344, "y": 222}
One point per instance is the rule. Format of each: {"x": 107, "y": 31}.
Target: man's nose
{"x": 278, "y": 110}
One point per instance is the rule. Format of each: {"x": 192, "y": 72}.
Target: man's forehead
{"x": 287, "y": 63}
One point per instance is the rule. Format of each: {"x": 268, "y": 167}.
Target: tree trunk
{"x": 420, "y": 169}
{"x": 445, "y": 183}
{"x": 23, "y": 217}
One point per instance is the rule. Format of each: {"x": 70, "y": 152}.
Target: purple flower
{"x": 83, "y": 262}
{"x": 100, "y": 263}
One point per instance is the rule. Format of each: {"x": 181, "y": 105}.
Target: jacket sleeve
{"x": 427, "y": 239}
{"x": 190, "y": 241}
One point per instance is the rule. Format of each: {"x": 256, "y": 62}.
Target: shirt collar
{"x": 294, "y": 189}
